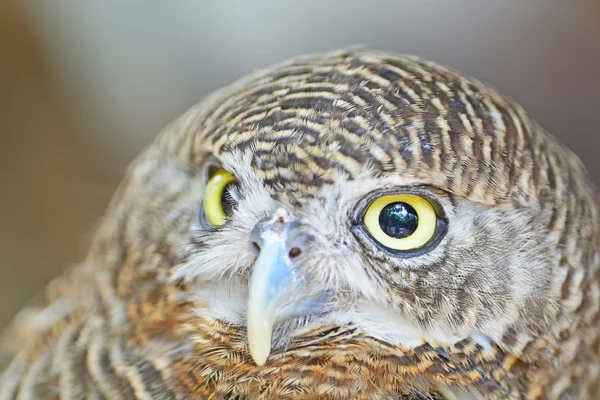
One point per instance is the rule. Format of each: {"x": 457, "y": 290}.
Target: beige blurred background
{"x": 85, "y": 85}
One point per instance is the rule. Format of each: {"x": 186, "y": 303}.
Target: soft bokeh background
{"x": 85, "y": 85}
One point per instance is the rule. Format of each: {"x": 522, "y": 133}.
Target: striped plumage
{"x": 509, "y": 299}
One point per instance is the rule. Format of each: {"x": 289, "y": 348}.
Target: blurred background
{"x": 85, "y": 85}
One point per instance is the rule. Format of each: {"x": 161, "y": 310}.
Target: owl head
{"x": 362, "y": 189}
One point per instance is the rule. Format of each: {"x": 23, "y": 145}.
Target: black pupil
{"x": 398, "y": 220}
{"x": 227, "y": 200}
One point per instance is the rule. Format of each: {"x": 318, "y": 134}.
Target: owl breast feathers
{"x": 354, "y": 225}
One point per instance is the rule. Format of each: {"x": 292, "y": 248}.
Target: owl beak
{"x": 277, "y": 288}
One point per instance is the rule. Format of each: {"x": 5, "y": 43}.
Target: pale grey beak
{"x": 278, "y": 288}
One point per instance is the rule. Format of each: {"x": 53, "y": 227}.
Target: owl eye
{"x": 401, "y": 221}
{"x": 218, "y": 199}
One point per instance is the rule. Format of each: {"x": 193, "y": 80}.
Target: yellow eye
{"x": 217, "y": 200}
{"x": 401, "y": 221}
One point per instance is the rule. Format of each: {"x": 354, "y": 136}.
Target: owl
{"x": 351, "y": 225}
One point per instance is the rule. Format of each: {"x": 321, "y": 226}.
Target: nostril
{"x": 294, "y": 252}
{"x": 256, "y": 247}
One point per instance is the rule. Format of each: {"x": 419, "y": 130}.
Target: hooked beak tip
{"x": 259, "y": 337}
{"x": 259, "y": 354}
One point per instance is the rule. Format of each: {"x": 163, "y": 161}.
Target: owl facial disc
{"x": 278, "y": 288}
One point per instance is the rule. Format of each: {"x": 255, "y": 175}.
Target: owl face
{"x": 385, "y": 193}
{"x": 405, "y": 261}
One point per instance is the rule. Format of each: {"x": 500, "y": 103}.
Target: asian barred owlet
{"x": 354, "y": 225}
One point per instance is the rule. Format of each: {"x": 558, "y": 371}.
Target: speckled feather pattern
{"x": 128, "y": 323}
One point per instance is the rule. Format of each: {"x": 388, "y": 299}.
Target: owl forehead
{"x": 307, "y": 122}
